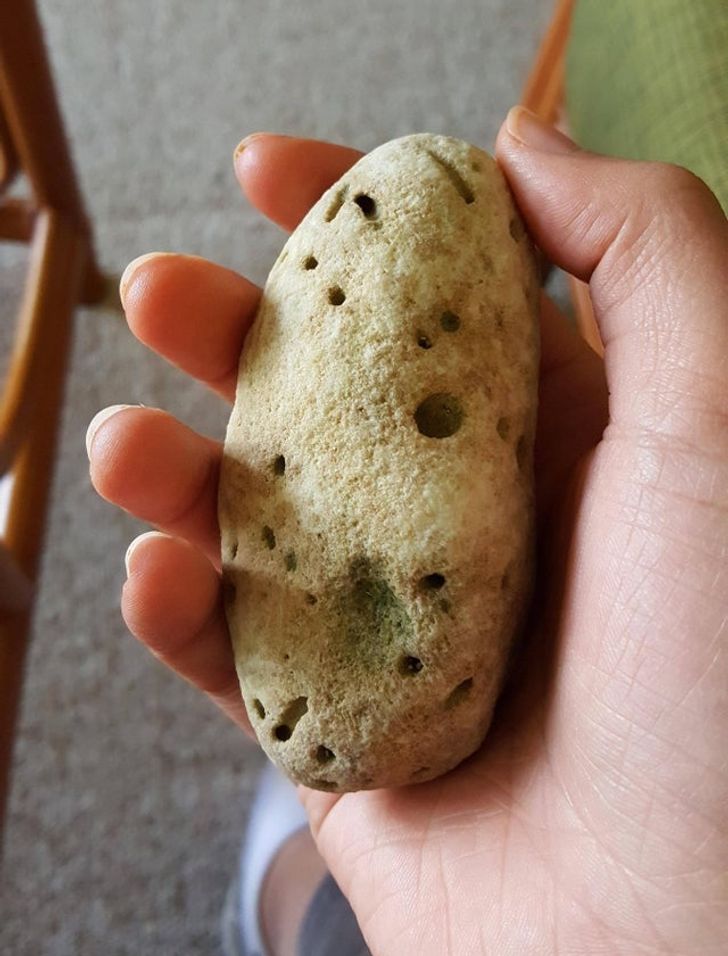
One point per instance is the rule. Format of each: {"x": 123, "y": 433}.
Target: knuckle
{"x": 677, "y": 191}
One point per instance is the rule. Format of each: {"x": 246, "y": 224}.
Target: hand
{"x": 595, "y": 817}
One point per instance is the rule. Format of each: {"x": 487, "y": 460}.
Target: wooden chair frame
{"x": 62, "y": 272}
{"x": 543, "y": 94}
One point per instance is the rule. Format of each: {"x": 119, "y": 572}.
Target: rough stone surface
{"x": 376, "y": 494}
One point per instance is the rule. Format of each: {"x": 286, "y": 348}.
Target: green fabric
{"x": 648, "y": 79}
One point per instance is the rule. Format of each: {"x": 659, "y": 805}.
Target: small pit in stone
{"x": 439, "y": 415}
{"x": 503, "y": 427}
{"x": 337, "y": 296}
{"x": 259, "y": 708}
{"x": 522, "y": 452}
{"x": 269, "y": 537}
{"x": 279, "y": 466}
{"x": 432, "y": 582}
{"x": 310, "y": 262}
{"x": 367, "y": 205}
{"x": 516, "y": 229}
{"x": 449, "y": 321}
{"x": 311, "y": 599}
{"x": 324, "y": 784}
{"x": 233, "y": 550}
{"x": 459, "y": 693}
{"x": 290, "y": 717}
{"x": 409, "y": 666}
{"x": 424, "y": 341}
{"x": 453, "y": 174}
{"x": 291, "y": 561}
{"x": 336, "y": 204}
{"x": 324, "y": 755}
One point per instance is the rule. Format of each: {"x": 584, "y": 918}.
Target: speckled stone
{"x": 376, "y": 495}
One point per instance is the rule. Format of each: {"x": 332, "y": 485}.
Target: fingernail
{"x": 528, "y": 129}
{"x": 98, "y": 420}
{"x": 244, "y": 143}
{"x": 128, "y": 273}
{"x": 135, "y": 544}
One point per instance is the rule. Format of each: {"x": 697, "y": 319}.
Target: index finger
{"x": 283, "y": 176}
{"x": 195, "y": 313}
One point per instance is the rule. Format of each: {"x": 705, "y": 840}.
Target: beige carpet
{"x": 130, "y": 791}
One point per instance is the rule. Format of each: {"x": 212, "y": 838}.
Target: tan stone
{"x": 376, "y": 497}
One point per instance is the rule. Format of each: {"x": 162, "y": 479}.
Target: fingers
{"x": 196, "y": 314}
{"x": 283, "y": 176}
{"x": 653, "y": 242}
{"x": 152, "y": 466}
{"x": 171, "y": 602}
{"x": 192, "y": 312}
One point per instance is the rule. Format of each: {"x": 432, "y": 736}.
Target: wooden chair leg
{"x": 28, "y": 103}
{"x": 8, "y": 156}
{"x": 543, "y": 94}
{"x": 62, "y": 259}
{"x": 15, "y": 586}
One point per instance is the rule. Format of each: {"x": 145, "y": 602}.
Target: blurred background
{"x": 129, "y": 790}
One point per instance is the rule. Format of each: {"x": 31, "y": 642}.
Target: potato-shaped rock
{"x": 376, "y": 500}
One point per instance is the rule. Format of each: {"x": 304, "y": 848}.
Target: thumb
{"x": 652, "y": 241}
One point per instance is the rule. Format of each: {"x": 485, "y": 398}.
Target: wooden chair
{"x": 543, "y": 94}
{"x": 62, "y": 271}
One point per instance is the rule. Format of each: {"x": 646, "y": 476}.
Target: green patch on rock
{"x": 374, "y": 620}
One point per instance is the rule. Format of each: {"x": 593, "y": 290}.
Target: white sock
{"x": 275, "y": 815}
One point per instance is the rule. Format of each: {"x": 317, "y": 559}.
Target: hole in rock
{"x": 337, "y": 203}
{"x": 366, "y": 204}
{"x": 324, "y": 755}
{"x": 432, "y": 582}
{"x": 290, "y": 717}
{"x": 439, "y": 415}
{"x": 410, "y": 665}
{"x": 516, "y": 229}
{"x": 459, "y": 693}
{"x": 503, "y": 427}
{"x": 449, "y": 321}
{"x": 521, "y": 452}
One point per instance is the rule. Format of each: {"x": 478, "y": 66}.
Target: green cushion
{"x": 648, "y": 79}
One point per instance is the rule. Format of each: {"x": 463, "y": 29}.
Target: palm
{"x": 592, "y": 819}
{"x": 478, "y": 844}
{"x": 571, "y": 821}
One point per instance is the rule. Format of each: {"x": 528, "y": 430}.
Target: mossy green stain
{"x": 374, "y": 620}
